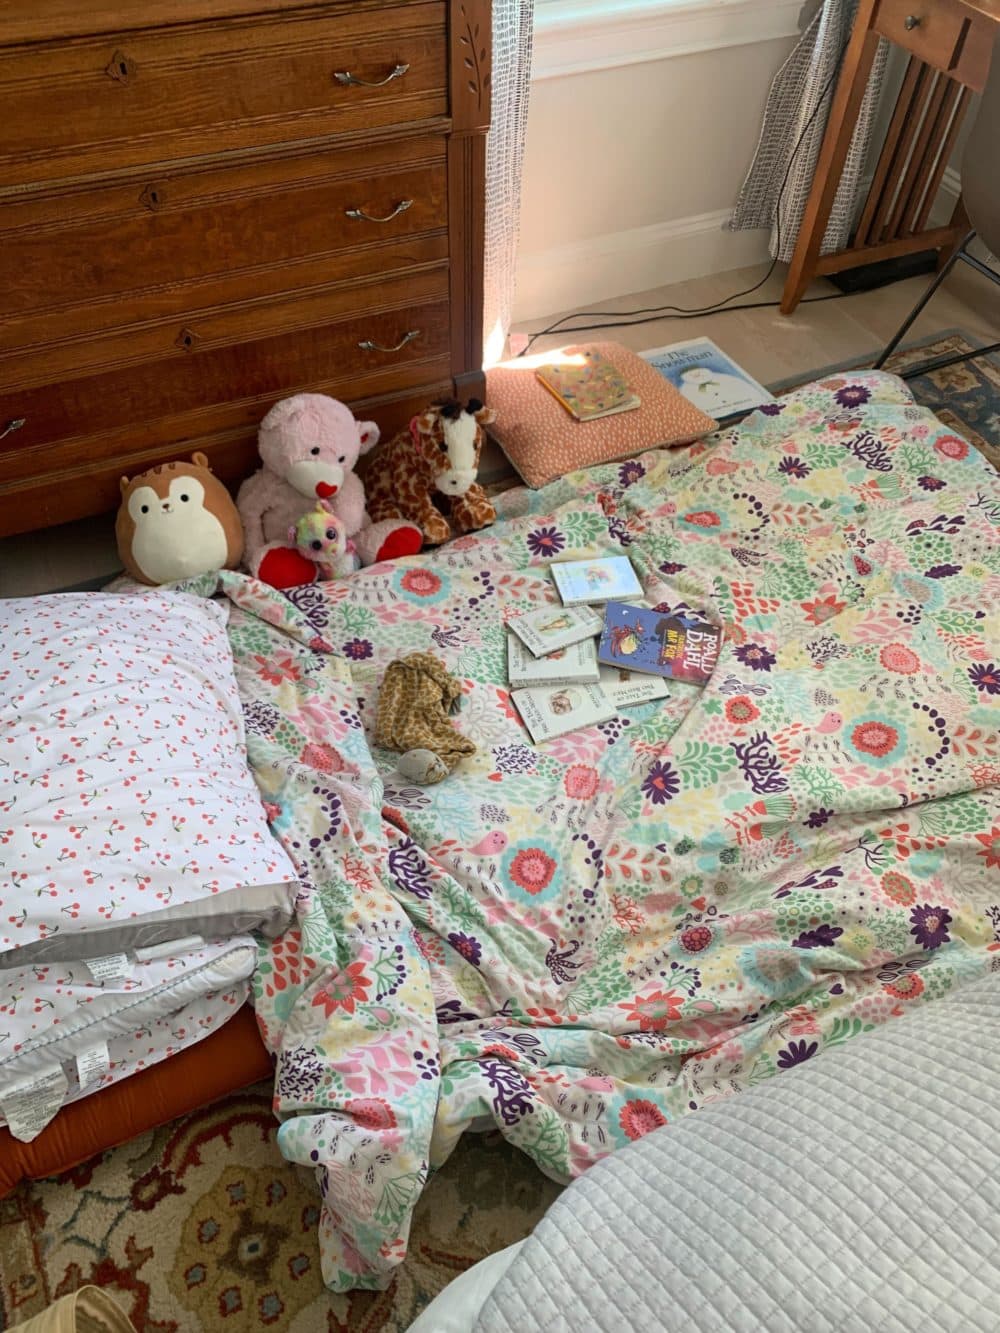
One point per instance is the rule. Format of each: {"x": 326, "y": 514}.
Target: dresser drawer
{"x": 117, "y": 271}
{"x": 943, "y": 33}
{"x": 401, "y": 325}
{"x": 139, "y": 98}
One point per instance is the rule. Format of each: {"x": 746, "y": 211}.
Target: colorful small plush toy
{"x": 319, "y": 535}
{"x": 308, "y": 446}
{"x": 437, "y": 455}
{"x": 175, "y": 521}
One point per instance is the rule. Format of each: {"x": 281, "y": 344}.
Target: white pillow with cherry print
{"x": 128, "y": 815}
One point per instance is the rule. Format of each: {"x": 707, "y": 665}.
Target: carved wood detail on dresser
{"x": 207, "y": 205}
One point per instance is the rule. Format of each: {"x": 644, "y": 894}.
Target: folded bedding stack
{"x": 135, "y": 856}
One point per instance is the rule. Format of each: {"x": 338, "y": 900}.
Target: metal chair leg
{"x": 918, "y": 308}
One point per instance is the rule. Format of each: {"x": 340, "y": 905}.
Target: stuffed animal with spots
{"x": 427, "y": 474}
{"x": 321, "y": 537}
{"x": 416, "y": 702}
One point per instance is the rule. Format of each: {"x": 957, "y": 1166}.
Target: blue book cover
{"x": 677, "y": 645}
{"x": 703, "y": 373}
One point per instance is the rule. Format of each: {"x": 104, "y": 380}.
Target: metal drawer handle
{"x": 359, "y": 214}
{"x": 367, "y": 345}
{"x": 12, "y": 426}
{"x": 350, "y": 80}
{"x": 911, "y": 21}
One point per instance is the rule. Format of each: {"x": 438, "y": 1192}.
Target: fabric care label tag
{"x": 31, "y": 1105}
{"x": 112, "y": 967}
{"x": 92, "y": 1064}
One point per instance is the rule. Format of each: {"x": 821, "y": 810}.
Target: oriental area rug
{"x": 202, "y": 1227}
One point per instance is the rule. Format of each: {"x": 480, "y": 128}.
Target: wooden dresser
{"x": 207, "y": 205}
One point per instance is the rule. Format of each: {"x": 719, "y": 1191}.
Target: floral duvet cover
{"x": 582, "y": 941}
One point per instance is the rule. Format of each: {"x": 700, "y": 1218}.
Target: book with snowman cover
{"x": 709, "y": 378}
{"x": 576, "y": 664}
{"x": 552, "y": 627}
{"x": 556, "y": 709}
{"x": 679, "y": 646}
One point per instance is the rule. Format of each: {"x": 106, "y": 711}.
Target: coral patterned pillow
{"x": 543, "y": 441}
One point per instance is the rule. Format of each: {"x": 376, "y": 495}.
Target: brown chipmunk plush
{"x": 175, "y": 521}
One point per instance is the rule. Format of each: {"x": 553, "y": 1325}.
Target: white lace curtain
{"x": 512, "y": 25}
{"x": 798, "y": 106}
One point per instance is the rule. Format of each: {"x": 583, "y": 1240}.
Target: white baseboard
{"x": 604, "y": 267}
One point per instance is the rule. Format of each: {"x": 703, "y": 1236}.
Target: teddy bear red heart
{"x": 324, "y": 490}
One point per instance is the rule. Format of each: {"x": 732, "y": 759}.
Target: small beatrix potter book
{"x": 556, "y": 709}
{"x": 576, "y": 664}
{"x": 552, "y": 627}
{"x": 587, "y": 384}
{"x": 603, "y": 579}
{"x": 626, "y": 688}
{"x": 677, "y": 645}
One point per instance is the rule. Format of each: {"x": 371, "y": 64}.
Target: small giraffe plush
{"x": 437, "y": 456}
{"x": 321, "y": 537}
{"x": 415, "y": 703}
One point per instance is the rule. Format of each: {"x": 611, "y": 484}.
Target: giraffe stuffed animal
{"x": 437, "y": 457}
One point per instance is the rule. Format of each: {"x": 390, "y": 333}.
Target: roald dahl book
{"x": 677, "y": 645}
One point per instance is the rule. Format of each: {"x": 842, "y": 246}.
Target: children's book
{"x": 626, "y": 688}
{"x": 679, "y": 646}
{"x": 556, "y": 709}
{"x": 599, "y": 580}
{"x": 576, "y": 664}
{"x": 587, "y": 384}
{"x": 708, "y": 378}
{"x": 553, "y": 627}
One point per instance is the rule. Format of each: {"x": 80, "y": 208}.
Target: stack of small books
{"x": 587, "y": 384}
{"x": 579, "y": 662}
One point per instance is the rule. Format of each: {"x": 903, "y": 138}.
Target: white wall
{"x": 630, "y": 173}
{"x": 641, "y": 127}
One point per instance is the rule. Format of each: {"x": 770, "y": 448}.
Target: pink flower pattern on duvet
{"x": 583, "y": 941}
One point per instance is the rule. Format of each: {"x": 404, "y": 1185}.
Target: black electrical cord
{"x": 649, "y": 313}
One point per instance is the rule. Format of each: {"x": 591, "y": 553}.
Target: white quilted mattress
{"x": 859, "y": 1192}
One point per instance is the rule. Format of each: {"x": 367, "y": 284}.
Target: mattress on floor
{"x": 64, "y": 1034}
{"x": 861, "y": 1192}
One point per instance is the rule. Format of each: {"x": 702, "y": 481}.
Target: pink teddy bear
{"x": 308, "y": 445}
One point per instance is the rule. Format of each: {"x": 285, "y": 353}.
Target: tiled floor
{"x": 771, "y": 347}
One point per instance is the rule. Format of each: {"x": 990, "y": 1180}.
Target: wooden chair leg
{"x": 844, "y": 112}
